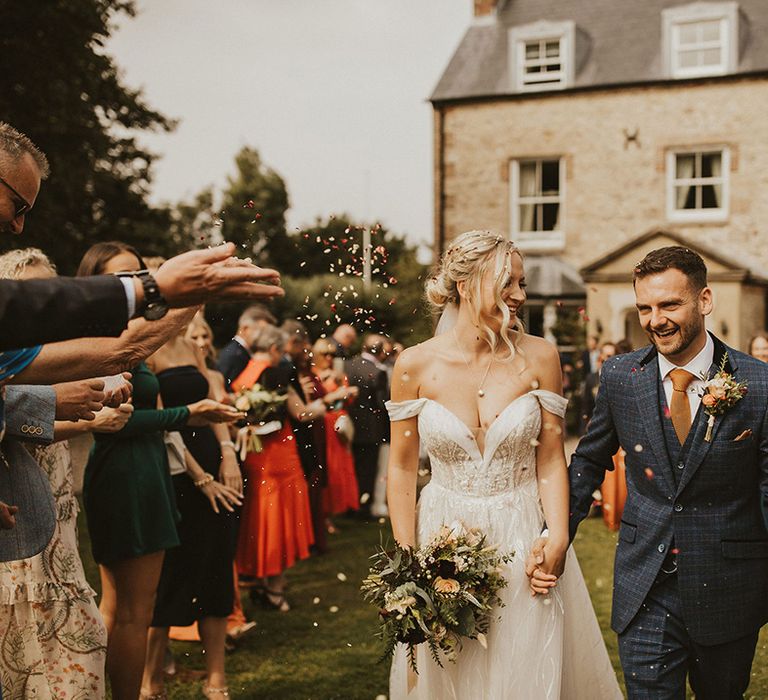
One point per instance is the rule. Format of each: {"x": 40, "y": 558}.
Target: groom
{"x": 691, "y": 573}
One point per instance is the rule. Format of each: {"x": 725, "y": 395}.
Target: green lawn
{"x": 311, "y": 653}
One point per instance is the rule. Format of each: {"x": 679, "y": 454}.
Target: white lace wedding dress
{"x": 543, "y": 648}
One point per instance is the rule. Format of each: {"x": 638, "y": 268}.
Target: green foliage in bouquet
{"x": 438, "y": 594}
{"x": 259, "y": 403}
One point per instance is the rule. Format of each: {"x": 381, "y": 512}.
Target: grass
{"x": 311, "y": 653}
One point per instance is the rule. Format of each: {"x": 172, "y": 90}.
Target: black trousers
{"x": 657, "y": 654}
{"x": 366, "y": 465}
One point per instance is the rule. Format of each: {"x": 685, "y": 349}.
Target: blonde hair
{"x": 468, "y": 259}
{"x": 14, "y": 262}
{"x": 198, "y": 321}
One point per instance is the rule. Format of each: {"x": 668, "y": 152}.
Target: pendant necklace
{"x": 480, "y": 391}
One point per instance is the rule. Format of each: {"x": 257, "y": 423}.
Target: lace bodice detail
{"x": 508, "y": 461}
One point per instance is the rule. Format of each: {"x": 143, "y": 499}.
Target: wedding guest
{"x": 196, "y": 584}
{"x": 592, "y": 383}
{"x": 48, "y": 609}
{"x": 234, "y": 355}
{"x": 341, "y": 494}
{"x": 309, "y": 434}
{"x": 758, "y": 346}
{"x": 623, "y": 346}
{"x": 129, "y": 501}
{"x": 276, "y": 528}
{"x": 344, "y": 339}
{"x": 201, "y": 334}
{"x": 369, "y": 416}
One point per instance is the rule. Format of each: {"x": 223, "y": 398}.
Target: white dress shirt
{"x": 698, "y": 367}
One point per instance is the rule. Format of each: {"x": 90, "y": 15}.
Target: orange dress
{"x": 275, "y": 521}
{"x": 614, "y": 491}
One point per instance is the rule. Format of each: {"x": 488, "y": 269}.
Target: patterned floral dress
{"x": 52, "y": 638}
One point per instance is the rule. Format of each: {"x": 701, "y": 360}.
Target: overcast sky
{"x": 331, "y": 92}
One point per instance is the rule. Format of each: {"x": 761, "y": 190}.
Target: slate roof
{"x": 735, "y": 264}
{"x": 548, "y": 276}
{"x": 618, "y": 42}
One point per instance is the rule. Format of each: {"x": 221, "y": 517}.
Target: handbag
{"x": 174, "y": 445}
{"x": 345, "y": 429}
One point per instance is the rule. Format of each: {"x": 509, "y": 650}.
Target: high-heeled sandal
{"x": 272, "y": 600}
{"x": 144, "y": 695}
{"x": 211, "y": 692}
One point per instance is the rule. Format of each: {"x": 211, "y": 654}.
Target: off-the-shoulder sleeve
{"x": 403, "y": 410}
{"x": 552, "y": 402}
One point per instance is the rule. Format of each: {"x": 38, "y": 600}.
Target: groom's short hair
{"x": 674, "y": 257}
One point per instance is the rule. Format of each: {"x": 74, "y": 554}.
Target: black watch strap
{"x": 155, "y": 306}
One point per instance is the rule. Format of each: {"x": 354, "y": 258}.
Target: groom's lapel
{"x": 699, "y": 446}
{"x": 646, "y": 385}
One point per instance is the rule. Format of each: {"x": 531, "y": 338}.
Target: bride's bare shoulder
{"x": 416, "y": 357}
{"x": 411, "y": 366}
{"x": 539, "y": 350}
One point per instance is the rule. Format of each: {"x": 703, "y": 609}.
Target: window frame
{"x": 518, "y": 37}
{"x": 673, "y": 18}
{"x": 699, "y": 215}
{"x": 536, "y": 240}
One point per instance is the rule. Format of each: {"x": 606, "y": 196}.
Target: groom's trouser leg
{"x": 654, "y": 647}
{"x": 657, "y": 654}
{"x": 722, "y": 672}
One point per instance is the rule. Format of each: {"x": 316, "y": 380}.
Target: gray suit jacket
{"x": 707, "y": 505}
{"x": 29, "y": 416}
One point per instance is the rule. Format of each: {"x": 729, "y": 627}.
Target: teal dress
{"x": 127, "y": 491}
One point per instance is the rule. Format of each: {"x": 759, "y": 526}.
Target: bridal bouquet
{"x": 260, "y": 405}
{"x": 438, "y": 594}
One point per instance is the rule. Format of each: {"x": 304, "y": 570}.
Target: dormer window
{"x": 542, "y": 56}
{"x": 700, "y": 39}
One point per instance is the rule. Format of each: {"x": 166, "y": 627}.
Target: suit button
{"x": 678, "y": 508}
{"x": 681, "y": 465}
{"x": 661, "y": 547}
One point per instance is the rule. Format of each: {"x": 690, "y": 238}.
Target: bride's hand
{"x": 536, "y": 568}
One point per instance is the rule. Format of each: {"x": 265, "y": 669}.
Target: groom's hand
{"x": 540, "y": 581}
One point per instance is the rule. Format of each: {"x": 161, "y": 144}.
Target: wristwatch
{"x": 155, "y": 306}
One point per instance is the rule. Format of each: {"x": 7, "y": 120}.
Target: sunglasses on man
{"x": 21, "y": 204}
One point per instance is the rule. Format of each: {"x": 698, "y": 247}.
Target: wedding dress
{"x": 543, "y": 648}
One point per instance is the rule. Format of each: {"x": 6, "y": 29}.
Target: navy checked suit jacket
{"x": 714, "y": 511}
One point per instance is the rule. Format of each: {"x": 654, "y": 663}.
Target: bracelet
{"x": 228, "y": 443}
{"x": 203, "y": 481}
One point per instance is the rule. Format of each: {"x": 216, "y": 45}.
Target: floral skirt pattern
{"x": 52, "y": 638}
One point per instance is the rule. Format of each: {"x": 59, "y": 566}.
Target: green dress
{"x": 127, "y": 491}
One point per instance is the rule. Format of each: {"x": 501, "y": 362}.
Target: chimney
{"x": 485, "y": 8}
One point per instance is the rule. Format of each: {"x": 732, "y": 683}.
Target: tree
{"x": 253, "y": 210}
{"x": 60, "y": 87}
{"x": 324, "y": 285}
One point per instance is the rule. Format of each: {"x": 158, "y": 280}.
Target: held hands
{"x": 214, "y": 275}
{"x": 544, "y": 565}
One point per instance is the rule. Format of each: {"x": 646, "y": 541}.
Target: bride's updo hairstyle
{"x": 467, "y": 260}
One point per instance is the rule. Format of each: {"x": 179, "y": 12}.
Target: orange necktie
{"x": 680, "y": 408}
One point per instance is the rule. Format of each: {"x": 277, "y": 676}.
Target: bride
{"x": 485, "y": 400}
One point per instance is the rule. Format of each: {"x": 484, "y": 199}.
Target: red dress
{"x": 342, "y": 492}
{"x": 276, "y": 523}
